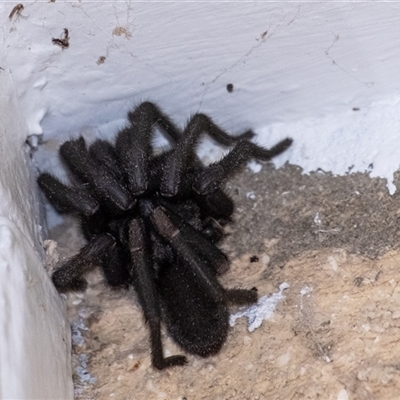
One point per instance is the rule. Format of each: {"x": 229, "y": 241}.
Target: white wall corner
{"x": 35, "y": 360}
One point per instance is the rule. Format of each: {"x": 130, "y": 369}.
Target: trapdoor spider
{"x": 154, "y": 221}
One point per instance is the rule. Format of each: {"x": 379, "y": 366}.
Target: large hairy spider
{"x": 153, "y": 222}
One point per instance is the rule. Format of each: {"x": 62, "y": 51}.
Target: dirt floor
{"x": 336, "y": 333}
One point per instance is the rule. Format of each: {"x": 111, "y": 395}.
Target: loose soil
{"x": 336, "y": 334}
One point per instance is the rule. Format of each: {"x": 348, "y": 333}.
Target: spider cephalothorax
{"x": 153, "y": 222}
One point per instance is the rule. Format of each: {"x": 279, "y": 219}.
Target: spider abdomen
{"x": 198, "y": 322}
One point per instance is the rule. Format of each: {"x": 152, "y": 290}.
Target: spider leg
{"x": 133, "y": 144}
{"x": 154, "y": 116}
{"x": 104, "y": 153}
{"x": 178, "y": 239}
{"x": 143, "y": 281}
{"x": 94, "y": 254}
{"x": 116, "y": 270}
{"x": 157, "y": 117}
{"x": 102, "y": 181}
{"x": 205, "y": 276}
{"x": 133, "y": 149}
{"x": 201, "y": 123}
{"x": 241, "y": 296}
{"x": 173, "y": 234}
{"x": 212, "y": 177}
{"x": 67, "y": 198}
{"x": 212, "y": 230}
{"x": 216, "y": 204}
{"x": 183, "y": 155}
{"x": 209, "y": 254}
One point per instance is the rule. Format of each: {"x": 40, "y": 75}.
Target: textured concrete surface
{"x": 334, "y": 240}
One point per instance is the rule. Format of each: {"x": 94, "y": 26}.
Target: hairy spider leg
{"x": 216, "y": 204}
{"x": 241, "y": 297}
{"x": 172, "y": 233}
{"x": 116, "y": 270}
{"x": 104, "y": 156}
{"x": 183, "y": 154}
{"x": 94, "y": 254}
{"x": 133, "y": 149}
{"x": 212, "y": 177}
{"x": 212, "y": 230}
{"x": 144, "y": 284}
{"x": 66, "y": 198}
{"x": 133, "y": 144}
{"x": 209, "y": 254}
{"x": 103, "y": 152}
{"x": 111, "y": 193}
{"x": 153, "y": 114}
{"x": 206, "y": 276}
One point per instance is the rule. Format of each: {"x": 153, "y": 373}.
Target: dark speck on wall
{"x": 101, "y": 60}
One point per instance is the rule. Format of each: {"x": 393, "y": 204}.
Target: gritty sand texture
{"x": 335, "y": 335}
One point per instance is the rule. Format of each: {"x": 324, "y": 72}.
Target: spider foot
{"x": 75, "y": 285}
{"x": 172, "y": 361}
{"x": 241, "y": 296}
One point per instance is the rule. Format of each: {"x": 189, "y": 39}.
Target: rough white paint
{"x": 263, "y": 310}
{"x": 298, "y": 69}
{"x": 34, "y": 337}
{"x": 365, "y": 140}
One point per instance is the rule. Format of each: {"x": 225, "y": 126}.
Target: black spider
{"x": 153, "y": 222}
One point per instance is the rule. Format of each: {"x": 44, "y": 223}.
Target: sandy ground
{"x": 335, "y": 335}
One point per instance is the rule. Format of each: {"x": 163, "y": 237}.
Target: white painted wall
{"x": 35, "y": 361}
{"x": 298, "y": 69}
